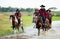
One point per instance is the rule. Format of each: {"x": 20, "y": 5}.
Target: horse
{"x": 49, "y": 21}
{"x": 47, "y": 24}
{"x": 15, "y": 24}
{"x": 38, "y": 22}
{"x": 41, "y": 25}
{"x": 50, "y": 18}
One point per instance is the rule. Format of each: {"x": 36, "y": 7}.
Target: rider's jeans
{"x": 19, "y": 21}
{"x": 43, "y": 19}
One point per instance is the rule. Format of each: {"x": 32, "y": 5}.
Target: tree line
{"x": 10, "y": 9}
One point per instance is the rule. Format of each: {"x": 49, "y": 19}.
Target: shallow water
{"x": 31, "y": 33}
{"x": 53, "y": 33}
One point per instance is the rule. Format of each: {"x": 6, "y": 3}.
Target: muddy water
{"x": 31, "y": 33}
{"x": 53, "y": 33}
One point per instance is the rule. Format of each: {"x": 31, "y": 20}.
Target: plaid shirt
{"x": 18, "y": 15}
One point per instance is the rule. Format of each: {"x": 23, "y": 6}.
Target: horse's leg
{"x": 22, "y": 28}
{"x": 18, "y": 28}
{"x": 43, "y": 27}
{"x": 34, "y": 26}
{"x": 13, "y": 27}
{"x": 38, "y": 31}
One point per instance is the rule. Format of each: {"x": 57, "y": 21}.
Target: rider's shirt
{"x": 18, "y": 15}
{"x": 36, "y": 13}
{"x": 47, "y": 14}
{"x": 42, "y": 12}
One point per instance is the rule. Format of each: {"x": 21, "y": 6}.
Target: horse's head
{"x": 38, "y": 18}
{"x": 12, "y": 16}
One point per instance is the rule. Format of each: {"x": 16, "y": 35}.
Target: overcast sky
{"x": 30, "y": 3}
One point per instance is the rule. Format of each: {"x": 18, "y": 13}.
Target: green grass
{"x": 5, "y": 25}
{"x": 54, "y": 18}
{"x": 27, "y": 20}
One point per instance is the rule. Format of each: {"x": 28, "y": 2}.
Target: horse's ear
{"x": 10, "y": 15}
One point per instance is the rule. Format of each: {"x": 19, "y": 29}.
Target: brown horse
{"x": 49, "y": 20}
{"x": 15, "y": 24}
{"x": 40, "y": 25}
{"x": 48, "y": 24}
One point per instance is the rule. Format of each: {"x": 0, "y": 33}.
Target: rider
{"x": 35, "y": 14}
{"x": 42, "y": 13}
{"x": 48, "y": 13}
{"x": 18, "y": 15}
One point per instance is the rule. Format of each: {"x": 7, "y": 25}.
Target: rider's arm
{"x": 39, "y": 13}
{"x": 46, "y": 14}
{"x": 19, "y": 15}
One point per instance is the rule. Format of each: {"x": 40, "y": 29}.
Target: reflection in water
{"x": 53, "y": 33}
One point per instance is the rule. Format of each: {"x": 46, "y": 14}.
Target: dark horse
{"x": 15, "y": 24}
{"x": 38, "y": 23}
{"x": 41, "y": 25}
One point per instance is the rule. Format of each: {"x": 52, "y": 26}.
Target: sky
{"x": 30, "y": 3}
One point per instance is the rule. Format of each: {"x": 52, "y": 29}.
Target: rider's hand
{"x": 18, "y": 17}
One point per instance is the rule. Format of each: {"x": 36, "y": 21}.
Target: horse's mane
{"x": 12, "y": 16}
{"x": 39, "y": 20}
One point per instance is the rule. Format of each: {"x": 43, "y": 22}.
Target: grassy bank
{"x": 5, "y": 25}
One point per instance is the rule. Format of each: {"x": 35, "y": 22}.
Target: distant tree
{"x": 22, "y": 9}
{"x": 29, "y": 9}
{"x": 52, "y": 8}
{"x": 10, "y": 9}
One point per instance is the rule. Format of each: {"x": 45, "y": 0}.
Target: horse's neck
{"x": 16, "y": 19}
{"x": 10, "y": 19}
{"x": 38, "y": 21}
{"x": 13, "y": 19}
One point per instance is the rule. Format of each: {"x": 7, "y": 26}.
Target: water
{"x": 31, "y": 33}
{"x": 53, "y": 33}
